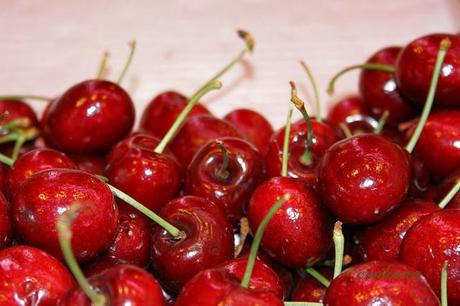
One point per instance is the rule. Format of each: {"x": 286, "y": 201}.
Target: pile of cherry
{"x": 92, "y": 213}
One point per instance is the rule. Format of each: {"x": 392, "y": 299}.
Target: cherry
{"x": 363, "y": 178}
{"x": 226, "y": 172}
{"x": 29, "y": 276}
{"x": 309, "y": 289}
{"x": 5, "y": 224}
{"x": 253, "y": 126}
{"x": 44, "y": 196}
{"x": 207, "y": 241}
{"x": 445, "y": 186}
{"x": 382, "y": 240}
{"x": 90, "y": 163}
{"x": 389, "y": 283}
{"x": 415, "y": 65}
{"x": 17, "y": 109}
{"x": 429, "y": 243}
{"x": 34, "y": 161}
{"x": 345, "y": 110}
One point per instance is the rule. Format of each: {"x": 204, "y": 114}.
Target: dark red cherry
{"x": 379, "y": 90}
{"x": 5, "y": 224}
{"x": 91, "y": 163}
{"x": 439, "y": 145}
{"x": 46, "y": 195}
{"x": 162, "y": 111}
{"x": 89, "y": 117}
{"x": 207, "y": 241}
{"x": 218, "y": 287}
{"x": 431, "y": 241}
{"x": 415, "y": 65}
{"x": 363, "y": 178}
{"x": 229, "y": 187}
{"x": 99, "y": 265}
{"x": 445, "y": 186}
{"x": 345, "y": 107}
{"x": 380, "y": 283}
{"x": 253, "y": 126}
{"x": 382, "y": 240}
{"x": 308, "y": 289}
{"x": 299, "y": 234}
{"x": 120, "y": 285}
{"x": 16, "y": 109}
{"x": 34, "y": 161}
{"x": 29, "y": 276}
{"x": 197, "y": 131}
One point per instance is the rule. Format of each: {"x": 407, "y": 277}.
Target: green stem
{"x": 450, "y": 195}
{"x": 378, "y": 129}
{"x": 17, "y": 146}
{"x": 13, "y": 98}
{"x": 132, "y": 48}
{"x": 222, "y": 173}
{"x": 346, "y": 130}
{"x": 444, "y": 284}
{"x": 319, "y": 118}
{"x": 302, "y": 304}
{"x": 287, "y": 134}
{"x": 369, "y": 66}
{"x": 21, "y": 122}
{"x": 318, "y": 276}
{"x": 258, "y": 237}
{"x": 444, "y": 46}
{"x": 6, "y": 160}
{"x": 65, "y": 238}
{"x": 339, "y": 242}
{"x": 102, "y": 65}
{"x": 174, "y": 231}
{"x": 214, "y": 84}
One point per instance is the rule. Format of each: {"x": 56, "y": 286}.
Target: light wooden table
{"x": 47, "y": 46}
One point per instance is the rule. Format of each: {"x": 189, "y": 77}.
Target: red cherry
{"x": 135, "y": 140}
{"x": 43, "y": 197}
{"x": 16, "y": 109}
{"x": 308, "y": 289}
{"x": 29, "y": 276}
{"x": 344, "y": 108}
{"x": 298, "y": 235}
{"x": 363, "y": 178}
{"x": 431, "y": 241}
{"x": 445, "y": 186}
{"x": 253, "y": 126}
{"x": 384, "y": 283}
{"x": 207, "y": 241}
{"x": 382, "y": 240}
{"x": 89, "y": 117}
{"x": 415, "y": 65}
{"x": 5, "y": 224}
{"x": 231, "y": 186}
{"x": 90, "y": 163}
{"x": 162, "y": 111}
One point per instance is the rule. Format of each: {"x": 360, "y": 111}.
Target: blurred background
{"x": 48, "y": 46}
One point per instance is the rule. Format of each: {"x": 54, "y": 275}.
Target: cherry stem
{"x": 132, "y": 48}
{"x": 258, "y": 237}
{"x": 102, "y": 65}
{"x": 17, "y": 146}
{"x": 171, "y": 229}
{"x": 306, "y": 158}
{"x": 244, "y": 231}
{"x": 339, "y": 242}
{"x": 212, "y": 85}
{"x": 450, "y": 195}
{"x": 302, "y": 304}
{"x": 312, "y": 80}
{"x": 63, "y": 226}
{"x": 346, "y": 130}
{"x": 368, "y": 66}
{"x": 444, "y": 46}
{"x": 318, "y": 276}
{"x": 444, "y": 284}
{"x": 222, "y": 174}
{"x": 13, "y": 98}
{"x": 287, "y": 134}
{"x": 6, "y": 160}
{"x": 21, "y": 122}
{"x": 378, "y": 129}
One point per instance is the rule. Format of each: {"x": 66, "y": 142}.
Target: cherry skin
{"x": 380, "y": 283}
{"x": 380, "y": 92}
{"x": 90, "y": 117}
{"x": 382, "y": 240}
{"x": 245, "y": 171}
{"x": 162, "y": 111}
{"x": 29, "y": 276}
{"x": 218, "y": 287}
{"x": 46, "y": 195}
{"x": 415, "y": 65}
{"x": 438, "y": 146}
{"x": 208, "y": 241}
{"x": 121, "y": 285}
{"x": 431, "y": 241}
{"x": 323, "y": 137}
{"x": 445, "y": 186}
{"x": 308, "y": 289}
{"x": 34, "y": 161}
{"x": 18, "y": 109}
{"x": 344, "y": 108}
{"x": 5, "y": 224}
{"x": 197, "y": 131}
{"x": 253, "y": 126}
{"x": 299, "y": 234}
{"x": 91, "y": 163}
{"x": 363, "y": 178}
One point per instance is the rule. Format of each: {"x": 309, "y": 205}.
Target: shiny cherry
{"x": 91, "y": 163}
{"x": 5, "y": 223}
{"x": 16, "y": 109}
{"x": 348, "y": 106}
{"x": 308, "y": 289}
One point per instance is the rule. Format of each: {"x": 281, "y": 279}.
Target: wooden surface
{"x": 47, "y": 46}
